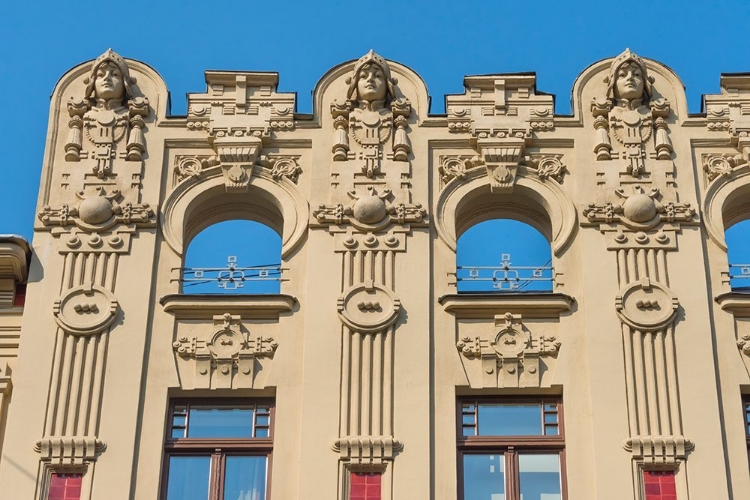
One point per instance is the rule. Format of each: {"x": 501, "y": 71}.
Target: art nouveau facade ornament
{"x": 370, "y": 370}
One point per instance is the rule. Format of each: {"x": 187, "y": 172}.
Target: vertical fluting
{"x": 367, "y": 268}
{"x": 653, "y": 402}
{"x": 641, "y": 261}
{"x": 54, "y": 386}
{"x": 672, "y": 379}
{"x": 101, "y": 352}
{"x": 377, "y": 384}
{"x": 653, "y": 269}
{"x": 661, "y": 257}
{"x": 67, "y": 278}
{"x": 388, "y": 382}
{"x": 75, "y": 384}
{"x": 356, "y": 381}
{"x": 63, "y": 392}
{"x": 366, "y": 385}
{"x": 632, "y": 269}
{"x": 627, "y": 342}
{"x": 90, "y": 350}
{"x": 640, "y": 383}
{"x": 346, "y": 376}
{"x": 661, "y": 378}
{"x": 622, "y": 268}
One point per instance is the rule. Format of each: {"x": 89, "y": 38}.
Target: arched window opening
{"x": 738, "y": 254}
{"x": 233, "y": 257}
{"x": 503, "y": 255}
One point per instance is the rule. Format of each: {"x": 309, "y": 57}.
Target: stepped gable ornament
{"x": 371, "y": 113}
{"x": 107, "y": 114}
{"x": 630, "y": 113}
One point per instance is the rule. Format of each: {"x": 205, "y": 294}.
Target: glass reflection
{"x": 205, "y": 422}
{"x": 539, "y": 476}
{"x": 245, "y": 478}
{"x": 484, "y": 477}
{"x": 188, "y": 478}
{"x": 509, "y": 420}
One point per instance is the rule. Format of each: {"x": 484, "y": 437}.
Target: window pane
{"x": 510, "y": 420}
{"x": 245, "y": 478}
{"x": 207, "y": 422}
{"x": 539, "y": 476}
{"x": 188, "y": 478}
{"x": 484, "y": 477}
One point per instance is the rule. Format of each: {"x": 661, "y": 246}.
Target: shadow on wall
{"x": 233, "y": 257}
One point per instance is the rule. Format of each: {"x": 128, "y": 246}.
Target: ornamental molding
{"x": 368, "y": 307}
{"x": 510, "y": 356}
{"x": 85, "y": 310}
{"x": 190, "y": 194}
{"x": 69, "y": 451}
{"x": 640, "y": 212}
{"x": 716, "y": 198}
{"x": 658, "y": 450}
{"x": 557, "y": 203}
{"x": 226, "y": 357}
{"x": 646, "y": 306}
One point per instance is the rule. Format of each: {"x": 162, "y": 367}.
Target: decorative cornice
{"x": 531, "y": 305}
{"x": 207, "y": 305}
{"x": 738, "y": 303}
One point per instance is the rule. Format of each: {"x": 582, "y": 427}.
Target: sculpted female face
{"x": 629, "y": 83}
{"x": 371, "y": 83}
{"x": 109, "y": 82}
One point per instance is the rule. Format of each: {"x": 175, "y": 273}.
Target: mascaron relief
{"x": 111, "y": 117}
{"x": 631, "y": 115}
{"x": 107, "y": 114}
{"x": 511, "y": 356}
{"x": 226, "y": 358}
{"x": 370, "y": 130}
{"x": 366, "y": 117}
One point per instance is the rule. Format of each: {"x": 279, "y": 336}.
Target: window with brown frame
{"x": 218, "y": 451}
{"x": 746, "y": 413}
{"x": 511, "y": 449}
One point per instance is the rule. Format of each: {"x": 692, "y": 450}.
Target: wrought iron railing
{"x": 506, "y": 277}
{"x": 231, "y": 277}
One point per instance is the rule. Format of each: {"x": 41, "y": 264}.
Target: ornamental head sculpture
{"x": 628, "y": 79}
{"x": 371, "y": 80}
{"x": 109, "y": 81}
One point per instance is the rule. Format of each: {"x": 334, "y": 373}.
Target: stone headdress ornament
{"x": 623, "y": 58}
{"x": 371, "y": 58}
{"x": 117, "y": 60}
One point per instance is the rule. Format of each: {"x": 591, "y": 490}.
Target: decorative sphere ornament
{"x": 369, "y": 209}
{"x": 639, "y": 208}
{"x": 95, "y": 210}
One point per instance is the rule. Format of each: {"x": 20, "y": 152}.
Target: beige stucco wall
{"x": 91, "y": 388}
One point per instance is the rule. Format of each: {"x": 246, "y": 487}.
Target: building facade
{"x": 372, "y": 374}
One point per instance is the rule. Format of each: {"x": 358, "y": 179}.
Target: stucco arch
{"x": 726, "y": 203}
{"x": 541, "y": 204}
{"x": 200, "y": 202}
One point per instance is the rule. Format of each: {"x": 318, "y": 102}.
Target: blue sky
{"x": 442, "y": 41}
